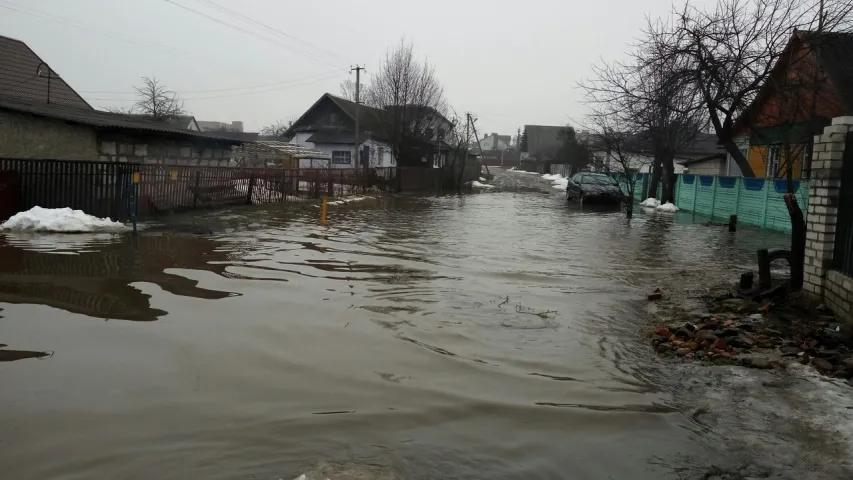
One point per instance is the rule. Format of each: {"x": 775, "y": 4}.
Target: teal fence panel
{"x": 756, "y": 201}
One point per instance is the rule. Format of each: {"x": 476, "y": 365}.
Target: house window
{"x": 772, "y": 164}
{"x": 341, "y": 157}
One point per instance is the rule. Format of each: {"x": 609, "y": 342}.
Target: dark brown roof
{"x": 20, "y": 78}
{"x": 835, "y": 51}
{"x": 97, "y": 118}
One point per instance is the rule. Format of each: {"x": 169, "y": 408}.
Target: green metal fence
{"x": 756, "y": 201}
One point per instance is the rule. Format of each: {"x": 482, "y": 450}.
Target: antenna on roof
{"x": 43, "y": 70}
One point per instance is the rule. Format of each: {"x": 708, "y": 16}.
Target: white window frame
{"x": 771, "y": 166}
{"x": 341, "y": 153}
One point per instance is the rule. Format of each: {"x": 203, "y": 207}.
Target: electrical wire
{"x": 247, "y": 31}
{"x": 213, "y": 90}
{"x": 315, "y": 80}
{"x": 254, "y": 22}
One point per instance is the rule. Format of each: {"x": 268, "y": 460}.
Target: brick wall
{"x": 821, "y": 282}
{"x": 28, "y": 136}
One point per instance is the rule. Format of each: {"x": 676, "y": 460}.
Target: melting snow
{"x": 667, "y": 207}
{"x": 477, "y": 184}
{"x": 650, "y": 202}
{"x": 62, "y": 220}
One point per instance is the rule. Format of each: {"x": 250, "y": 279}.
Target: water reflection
{"x": 7, "y": 355}
{"x": 96, "y": 280}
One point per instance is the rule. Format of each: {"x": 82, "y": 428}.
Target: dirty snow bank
{"x": 477, "y": 184}
{"x": 553, "y": 177}
{"x": 560, "y": 184}
{"x": 482, "y": 179}
{"x": 650, "y": 202}
{"x": 61, "y": 220}
{"x": 667, "y": 207}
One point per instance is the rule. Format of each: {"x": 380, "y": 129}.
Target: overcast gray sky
{"x": 509, "y": 63}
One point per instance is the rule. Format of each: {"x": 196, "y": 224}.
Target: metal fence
{"x": 121, "y": 190}
{"x": 843, "y": 252}
{"x": 98, "y": 188}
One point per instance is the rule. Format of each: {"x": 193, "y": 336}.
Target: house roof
{"x": 348, "y": 107}
{"x": 835, "y": 56}
{"x": 24, "y": 75}
{"x": 295, "y": 151}
{"x": 100, "y": 119}
{"x": 333, "y": 136}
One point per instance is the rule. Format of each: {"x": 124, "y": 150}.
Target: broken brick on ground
{"x": 741, "y": 332}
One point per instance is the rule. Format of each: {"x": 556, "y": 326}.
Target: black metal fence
{"x": 843, "y": 253}
{"x": 97, "y": 188}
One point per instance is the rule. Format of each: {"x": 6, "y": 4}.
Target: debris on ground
{"x": 656, "y": 294}
{"x": 742, "y": 332}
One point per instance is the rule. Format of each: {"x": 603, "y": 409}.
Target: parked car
{"x": 589, "y": 187}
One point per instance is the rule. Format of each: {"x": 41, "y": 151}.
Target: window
{"x": 772, "y": 164}
{"x": 341, "y": 157}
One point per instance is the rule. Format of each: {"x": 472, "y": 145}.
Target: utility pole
{"x": 358, "y": 70}
{"x": 477, "y": 137}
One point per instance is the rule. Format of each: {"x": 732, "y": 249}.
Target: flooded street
{"x": 491, "y": 335}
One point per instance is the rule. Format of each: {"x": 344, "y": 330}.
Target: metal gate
{"x": 843, "y": 255}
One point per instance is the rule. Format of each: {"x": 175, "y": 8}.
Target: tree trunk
{"x": 656, "y": 176}
{"x": 798, "y": 241}
{"x": 668, "y": 179}
{"x": 739, "y": 158}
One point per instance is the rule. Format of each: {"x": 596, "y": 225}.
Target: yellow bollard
{"x": 323, "y": 209}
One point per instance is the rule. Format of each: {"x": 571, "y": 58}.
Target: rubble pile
{"x": 739, "y": 331}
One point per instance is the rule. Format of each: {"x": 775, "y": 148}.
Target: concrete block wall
{"x": 155, "y": 151}
{"x": 821, "y": 281}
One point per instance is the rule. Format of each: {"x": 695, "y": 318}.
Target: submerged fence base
{"x": 755, "y": 201}
{"x": 120, "y": 191}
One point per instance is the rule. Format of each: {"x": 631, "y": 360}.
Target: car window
{"x": 599, "y": 180}
{"x": 578, "y": 178}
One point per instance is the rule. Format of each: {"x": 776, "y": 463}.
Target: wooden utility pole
{"x": 358, "y": 70}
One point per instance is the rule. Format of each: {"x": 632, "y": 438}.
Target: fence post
{"x": 767, "y": 182}
{"x": 739, "y": 185}
{"x": 251, "y": 187}
{"x": 197, "y": 184}
{"x": 695, "y": 188}
{"x": 715, "y": 184}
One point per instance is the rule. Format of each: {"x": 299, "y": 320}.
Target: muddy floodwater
{"x": 489, "y": 335}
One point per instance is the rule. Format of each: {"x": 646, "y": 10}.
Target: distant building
{"x": 210, "y": 126}
{"x": 496, "y": 142}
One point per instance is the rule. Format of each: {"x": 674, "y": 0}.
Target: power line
{"x": 212, "y": 90}
{"x": 244, "y": 30}
{"x": 315, "y": 80}
{"x": 68, "y": 22}
{"x": 267, "y": 27}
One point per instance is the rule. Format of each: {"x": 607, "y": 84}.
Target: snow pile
{"x": 553, "y": 177}
{"x": 483, "y": 179}
{"x": 62, "y": 220}
{"x": 650, "y": 202}
{"x": 561, "y": 184}
{"x": 477, "y": 184}
{"x": 667, "y": 207}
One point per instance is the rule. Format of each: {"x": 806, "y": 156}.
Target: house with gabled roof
{"x": 811, "y": 83}
{"x": 42, "y": 116}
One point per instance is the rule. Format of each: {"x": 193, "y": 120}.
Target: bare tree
{"x": 651, "y": 96}
{"x": 157, "y": 101}
{"x": 277, "y": 129}
{"x": 348, "y": 89}
{"x": 620, "y": 158}
{"x": 729, "y": 52}
{"x": 409, "y": 106}
{"x": 458, "y": 139}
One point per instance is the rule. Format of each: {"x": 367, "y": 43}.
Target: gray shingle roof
{"x": 19, "y": 77}
{"x": 97, "y": 118}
